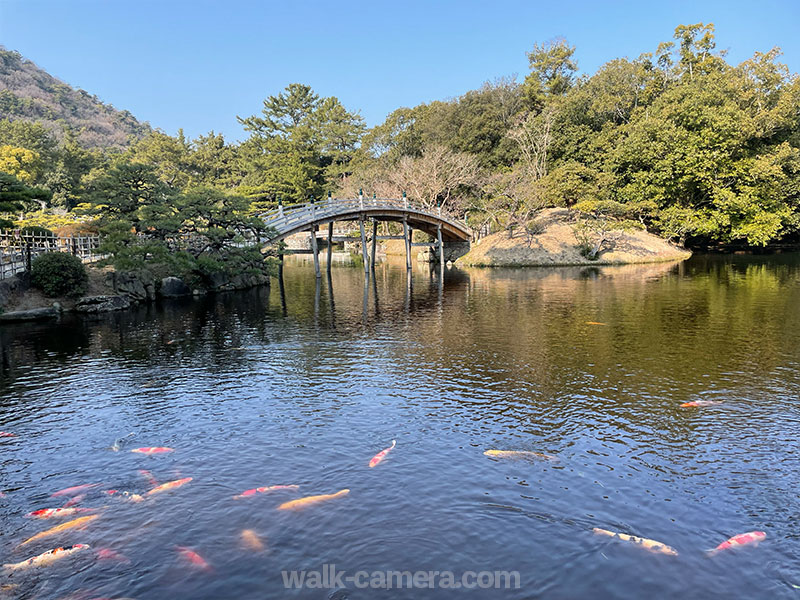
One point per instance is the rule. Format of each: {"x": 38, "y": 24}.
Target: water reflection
{"x": 288, "y": 385}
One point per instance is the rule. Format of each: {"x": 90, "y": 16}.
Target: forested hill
{"x": 30, "y": 93}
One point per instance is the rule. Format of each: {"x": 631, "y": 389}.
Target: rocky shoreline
{"x": 109, "y": 291}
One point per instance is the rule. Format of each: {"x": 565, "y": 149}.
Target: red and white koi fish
{"x": 149, "y": 476}
{"x": 57, "y": 513}
{"x": 170, "y": 485}
{"x": 308, "y": 500}
{"x": 264, "y": 490}
{"x": 700, "y": 403}
{"x": 743, "y": 539}
{"x": 75, "y": 490}
{"x": 193, "y": 558}
{"x": 376, "y": 460}
{"x": 109, "y": 554}
{"x": 76, "y": 500}
{"x": 651, "y": 545}
{"x": 6, "y": 434}
{"x": 47, "y": 558}
{"x": 152, "y": 450}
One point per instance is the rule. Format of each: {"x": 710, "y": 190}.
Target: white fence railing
{"x": 18, "y": 249}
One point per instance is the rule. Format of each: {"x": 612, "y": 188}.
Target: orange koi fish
{"x": 79, "y": 522}
{"x": 699, "y": 403}
{"x": 651, "y": 545}
{"x": 152, "y": 450}
{"x": 109, "y": 554}
{"x": 519, "y": 454}
{"x": 308, "y": 500}
{"x": 594, "y": 323}
{"x": 263, "y": 490}
{"x": 170, "y": 485}
{"x": 376, "y": 460}
{"x": 251, "y": 541}
{"x": 6, "y": 434}
{"x": 743, "y": 539}
{"x": 47, "y": 557}
{"x": 73, "y": 491}
{"x": 193, "y": 558}
{"x": 57, "y": 513}
{"x": 149, "y": 476}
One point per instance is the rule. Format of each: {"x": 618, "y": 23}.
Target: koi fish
{"x": 262, "y": 490}
{"x": 699, "y": 403}
{"x": 109, "y": 554}
{"x": 76, "y": 500}
{"x": 308, "y": 500}
{"x": 73, "y": 491}
{"x": 149, "y": 476}
{"x": 170, "y": 485}
{"x": 193, "y": 558}
{"x": 6, "y": 434}
{"x": 519, "y": 454}
{"x": 47, "y": 557}
{"x": 79, "y": 522}
{"x": 251, "y": 541}
{"x": 594, "y": 323}
{"x": 152, "y": 450}
{"x": 743, "y": 539}
{"x": 651, "y": 545}
{"x": 378, "y": 458}
{"x": 57, "y": 513}
{"x": 115, "y": 445}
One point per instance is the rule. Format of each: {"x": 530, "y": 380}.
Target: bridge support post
{"x": 315, "y": 250}
{"x": 330, "y": 245}
{"x": 407, "y": 241}
{"x": 364, "y": 245}
{"x": 374, "y": 241}
{"x": 440, "y": 247}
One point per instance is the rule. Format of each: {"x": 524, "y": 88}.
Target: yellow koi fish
{"x": 251, "y": 541}
{"x": 518, "y": 454}
{"x": 170, "y": 485}
{"x": 651, "y": 545}
{"x": 47, "y": 557}
{"x": 79, "y": 522}
{"x": 309, "y": 500}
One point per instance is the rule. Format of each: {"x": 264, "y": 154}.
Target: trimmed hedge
{"x": 59, "y": 274}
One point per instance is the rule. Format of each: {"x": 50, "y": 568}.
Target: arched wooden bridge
{"x": 289, "y": 220}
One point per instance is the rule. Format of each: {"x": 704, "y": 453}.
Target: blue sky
{"x": 197, "y": 64}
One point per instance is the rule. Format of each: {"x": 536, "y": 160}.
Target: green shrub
{"x": 59, "y": 274}
{"x": 6, "y": 224}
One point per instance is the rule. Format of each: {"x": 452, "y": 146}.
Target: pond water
{"x": 302, "y": 384}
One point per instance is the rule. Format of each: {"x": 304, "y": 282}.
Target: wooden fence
{"x": 18, "y": 249}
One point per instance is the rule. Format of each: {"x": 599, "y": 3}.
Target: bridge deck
{"x": 302, "y": 217}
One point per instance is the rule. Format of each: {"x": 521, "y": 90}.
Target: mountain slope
{"x": 30, "y": 93}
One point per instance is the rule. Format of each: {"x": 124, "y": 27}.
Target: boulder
{"x": 35, "y": 314}
{"x": 174, "y": 287}
{"x": 130, "y": 285}
{"x": 98, "y": 304}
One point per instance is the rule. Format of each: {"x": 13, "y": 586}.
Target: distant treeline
{"x": 677, "y": 140}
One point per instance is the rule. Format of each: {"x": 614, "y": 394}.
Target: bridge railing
{"x": 285, "y": 218}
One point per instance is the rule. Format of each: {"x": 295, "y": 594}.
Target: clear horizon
{"x": 198, "y": 65}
